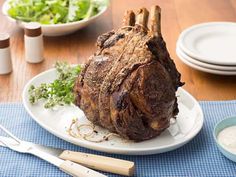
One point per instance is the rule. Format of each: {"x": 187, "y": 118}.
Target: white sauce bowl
{"x": 228, "y": 122}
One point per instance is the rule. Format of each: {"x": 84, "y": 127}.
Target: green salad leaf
{"x": 60, "y": 91}
{"x": 54, "y": 11}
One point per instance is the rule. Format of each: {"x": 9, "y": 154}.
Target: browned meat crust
{"x": 128, "y": 86}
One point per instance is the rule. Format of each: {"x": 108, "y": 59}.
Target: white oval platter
{"x": 187, "y": 125}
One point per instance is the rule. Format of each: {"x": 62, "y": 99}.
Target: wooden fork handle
{"x": 77, "y": 170}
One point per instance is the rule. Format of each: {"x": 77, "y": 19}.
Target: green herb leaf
{"x": 60, "y": 91}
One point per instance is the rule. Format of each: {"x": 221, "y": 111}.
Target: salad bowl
{"x": 56, "y": 29}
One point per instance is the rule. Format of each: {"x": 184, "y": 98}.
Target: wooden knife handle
{"x": 77, "y": 170}
{"x": 108, "y": 164}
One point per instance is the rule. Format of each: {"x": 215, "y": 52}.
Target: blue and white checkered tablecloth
{"x": 200, "y": 157}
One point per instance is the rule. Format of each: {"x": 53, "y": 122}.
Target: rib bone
{"x": 155, "y": 20}
{"x": 142, "y": 17}
{"x": 129, "y": 18}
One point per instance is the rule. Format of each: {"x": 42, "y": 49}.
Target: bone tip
{"x": 129, "y": 13}
{"x": 142, "y": 10}
{"x": 129, "y": 18}
{"x": 156, "y": 8}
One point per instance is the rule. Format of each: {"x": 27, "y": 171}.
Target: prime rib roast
{"x": 128, "y": 86}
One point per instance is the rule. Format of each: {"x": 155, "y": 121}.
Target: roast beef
{"x": 128, "y": 86}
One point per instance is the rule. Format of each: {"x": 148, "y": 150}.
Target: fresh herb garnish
{"x": 54, "y": 11}
{"x": 60, "y": 91}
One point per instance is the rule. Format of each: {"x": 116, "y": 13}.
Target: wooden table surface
{"x": 76, "y": 48}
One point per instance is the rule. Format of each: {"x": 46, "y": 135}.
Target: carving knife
{"x": 108, "y": 164}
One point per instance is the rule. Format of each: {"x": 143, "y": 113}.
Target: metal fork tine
{"x": 10, "y": 134}
{"x": 5, "y": 144}
{"x": 2, "y": 142}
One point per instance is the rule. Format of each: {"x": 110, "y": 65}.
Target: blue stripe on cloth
{"x": 200, "y": 157}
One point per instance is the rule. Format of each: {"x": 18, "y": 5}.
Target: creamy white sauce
{"x": 227, "y": 138}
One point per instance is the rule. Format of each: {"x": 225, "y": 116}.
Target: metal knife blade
{"x": 97, "y": 162}
{"x": 50, "y": 155}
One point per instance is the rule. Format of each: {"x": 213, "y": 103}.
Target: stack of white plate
{"x": 209, "y": 47}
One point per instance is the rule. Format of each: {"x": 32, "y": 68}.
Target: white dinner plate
{"x": 202, "y": 64}
{"x": 213, "y": 42}
{"x": 200, "y": 68}
{"x": 187, "y": 125}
